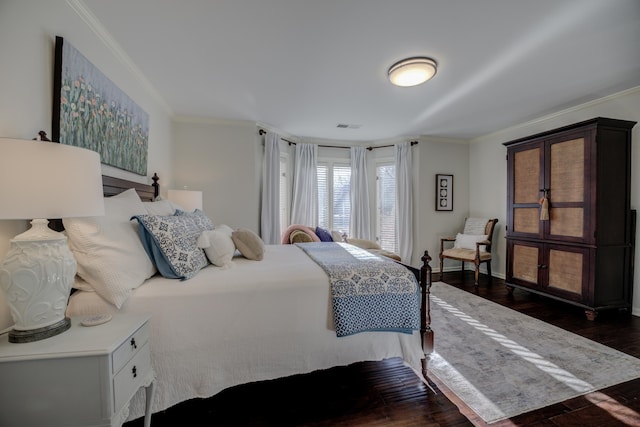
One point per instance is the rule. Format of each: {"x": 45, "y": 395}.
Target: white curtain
{"x": 270, "y": 218}
{"x": 305, "y": 186}
{"x": 404, "y": 201}
{"x": 360, "y": 224}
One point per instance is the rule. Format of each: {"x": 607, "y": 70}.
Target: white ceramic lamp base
{"x": 36, "y": 276}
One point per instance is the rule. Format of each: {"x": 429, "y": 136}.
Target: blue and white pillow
{"x": 170, "y": 242}
{"x": 201, "y": 219}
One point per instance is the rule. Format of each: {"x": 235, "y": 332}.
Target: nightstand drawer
{"x": 68, "y": 380}
{"x": 130, "y": 347}
{"x": 131, "y": 377}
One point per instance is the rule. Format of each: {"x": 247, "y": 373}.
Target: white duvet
{"x": 257, "y": 320}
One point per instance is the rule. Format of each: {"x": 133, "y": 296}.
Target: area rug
{"x": 502, "y": 363}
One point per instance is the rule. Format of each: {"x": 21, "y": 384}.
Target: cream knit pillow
{"x": 248, "y": 243}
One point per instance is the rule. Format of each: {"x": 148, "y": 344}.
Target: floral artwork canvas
{"x": 90, "y": 111}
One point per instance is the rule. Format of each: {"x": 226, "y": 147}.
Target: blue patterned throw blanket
{"x": 369, "y": 293}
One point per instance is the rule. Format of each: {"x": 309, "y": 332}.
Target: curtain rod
{"x": 262, "y": 132}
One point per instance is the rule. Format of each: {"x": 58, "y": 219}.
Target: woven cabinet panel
{"x": 567, "y": 171}
{"x": 567, "y": 222}
{"x": 526, "y": 220}
{"x": 565, "y": 270}
{"x": 526, "y": 183}
{"x": 525, "y": 263}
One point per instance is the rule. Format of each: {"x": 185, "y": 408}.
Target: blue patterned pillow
{"x": 170, "y": 242}
{"x": 199, "y": 217}
{"x": 323, "y": 235}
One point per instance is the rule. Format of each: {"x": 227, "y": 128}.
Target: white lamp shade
{"x": 189, "y": 200}
{"x": 40, "y": 179}
{"x": 412, "y": 71}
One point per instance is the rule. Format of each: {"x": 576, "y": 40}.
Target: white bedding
{"x": 257, "y": 320}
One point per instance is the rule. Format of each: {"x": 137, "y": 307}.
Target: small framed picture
{"x": 444, "y": 192}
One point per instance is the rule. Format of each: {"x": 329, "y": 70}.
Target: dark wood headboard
{"x": 112, "y": 186}
{"x": 147, "y": 192}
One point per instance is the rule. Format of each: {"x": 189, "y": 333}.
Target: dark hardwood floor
{"x": 389, "y": 394}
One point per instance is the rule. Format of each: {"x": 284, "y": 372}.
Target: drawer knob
{"x": 133, "y": 343}
{"x": 134, "y": 371}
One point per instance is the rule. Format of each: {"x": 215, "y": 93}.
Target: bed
{"x": 247, "y": 321}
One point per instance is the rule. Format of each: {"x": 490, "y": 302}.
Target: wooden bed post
{"x": 425, "y": 311}
{"x": 155, "y": 185}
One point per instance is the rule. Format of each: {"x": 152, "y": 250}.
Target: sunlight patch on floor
{"x": 436, "y": 358}
{"x": 614, "y": 408}
{"x": 538, "y": 361}
{"x": 601, "y": 401}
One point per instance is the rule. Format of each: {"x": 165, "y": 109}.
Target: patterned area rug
{"x": 502, "y": 363}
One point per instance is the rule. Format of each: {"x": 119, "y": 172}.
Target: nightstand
{"x": 85, "y": 376}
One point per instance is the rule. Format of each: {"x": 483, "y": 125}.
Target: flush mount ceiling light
{"x": 412, "y": 71}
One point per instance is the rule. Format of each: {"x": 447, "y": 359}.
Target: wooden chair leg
{"x": 462, "y": 270}
{"x": 441, "y": 268}
{"x": 476, "y": 274}
{"x": 489, "y": 272}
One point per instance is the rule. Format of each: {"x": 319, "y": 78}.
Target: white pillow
{"x": 82, "y": 285}
{"x": 218, "y": 246}
{"x": 224, "y": 229}
{"x": 475, "y": 226}
{"x": 174, "y": 206}
{"x": 468, "y": 241}
{"x": 160, "y": 207}
{"x": 110, "y": 256}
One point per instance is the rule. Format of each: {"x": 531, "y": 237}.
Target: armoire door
{"x": 567, "y": 271}
{"x": 567, "y": 188}
{"x": 526, "y": 166}
{"x": 525, "y": 261}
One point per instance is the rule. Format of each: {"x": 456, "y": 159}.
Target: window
{"x": 323, "y": 196}
{"x": 386, "y": 206}
{"x": 284, "y": 194}
{"x": 334, "y": 204}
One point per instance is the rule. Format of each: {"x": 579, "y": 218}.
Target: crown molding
{"x": 433, "y": 138}
{"x": 105, "y": 37}
{"x": 213, "y": 121}
{"x": 560, "y": 113}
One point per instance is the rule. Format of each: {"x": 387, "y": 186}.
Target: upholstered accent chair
{"x": 472, "y": 245}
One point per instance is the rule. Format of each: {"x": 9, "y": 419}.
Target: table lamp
{"x": 189, "y": 200}
{"x": 41, "y": 180}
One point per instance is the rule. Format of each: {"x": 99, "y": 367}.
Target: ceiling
{"x": 302, "y": 67}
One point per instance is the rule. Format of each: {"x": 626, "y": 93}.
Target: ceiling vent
{"x": 348, "y": 126}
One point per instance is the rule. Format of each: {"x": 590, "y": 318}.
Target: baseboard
{"x": 457, "y": 269}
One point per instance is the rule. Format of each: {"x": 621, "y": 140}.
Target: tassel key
{"x": 544, "y": 208}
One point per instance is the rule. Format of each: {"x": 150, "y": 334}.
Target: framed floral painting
{"x": 444, "y": 192}
{"x": 90, "y": 111}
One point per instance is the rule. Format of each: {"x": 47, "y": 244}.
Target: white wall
{"x": 488, "y": 166}
{"x": 224, "y": 160}
{"x": 439, "y": 156}
{"x": 27, "y": 39}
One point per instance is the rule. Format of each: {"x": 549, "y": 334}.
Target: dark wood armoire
{"x": 570, "y": 228}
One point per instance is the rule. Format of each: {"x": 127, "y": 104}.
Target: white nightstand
{"x": 85, "y": 376}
